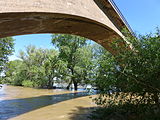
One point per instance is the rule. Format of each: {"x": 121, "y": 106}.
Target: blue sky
{"x": 142, "y": 15}
{"x": 39, "y": 40}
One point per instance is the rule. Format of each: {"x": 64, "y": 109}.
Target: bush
{"x": 126, "y": 112}
{"x": 134, "y": 74}
{"x": 28, "y": 83}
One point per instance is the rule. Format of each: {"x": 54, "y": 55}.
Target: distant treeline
{"x": 73, "y": 61}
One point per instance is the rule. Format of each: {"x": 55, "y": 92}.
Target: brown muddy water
{"x": 19, "y": 103}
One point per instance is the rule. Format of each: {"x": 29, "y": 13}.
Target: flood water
{"x": 19, "y": 103}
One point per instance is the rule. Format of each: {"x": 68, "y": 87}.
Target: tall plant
{"x": 131, "y": 78}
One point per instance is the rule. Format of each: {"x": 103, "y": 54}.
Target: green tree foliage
{"x": 13, "y": 70}
{"x": 71, "y": 63}
{"x": 37, "y": 68}
{"x": 6, "y": 48}
{"x": 75, "y": 52}
{"x": 130, "y": 82}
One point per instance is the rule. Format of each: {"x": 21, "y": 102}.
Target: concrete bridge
{"x": 98, "y": 20}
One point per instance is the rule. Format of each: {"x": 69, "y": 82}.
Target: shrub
{"x": 28, "y": 83}
{"x": 134, "y": 75}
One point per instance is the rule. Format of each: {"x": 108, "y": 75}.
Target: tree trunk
{"x": 75, "y": 85}
{"x": 156, "y": 99}
{"x": 69, "y": 85}
{"x": 50, "y": 83}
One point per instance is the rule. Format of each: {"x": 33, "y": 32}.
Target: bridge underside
{"x": 78, "y": 17}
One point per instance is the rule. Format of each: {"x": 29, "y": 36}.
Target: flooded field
{"x": 19, "y": 103}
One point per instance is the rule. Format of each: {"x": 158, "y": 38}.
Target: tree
{"x": 6, "y": 49}
{"x": 130, "y": 80}
{"x": 54, "y": 67}
{"x": 84, "y": 68}
{"x": 105, "y": 72}
{"x": 37, "y": 68}
{"x": 13, "y": 72}
{"x": 40, "y": 66}
{"x": 70, "y": 48}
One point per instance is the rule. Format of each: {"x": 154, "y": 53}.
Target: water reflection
{"x": 10, "y": 108}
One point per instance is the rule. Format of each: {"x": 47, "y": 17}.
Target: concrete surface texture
{"x": 94, "y": 19}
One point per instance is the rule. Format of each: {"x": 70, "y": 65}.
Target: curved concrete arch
{"x": 79, "y": 17}
{"x": 33, "y": 23}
